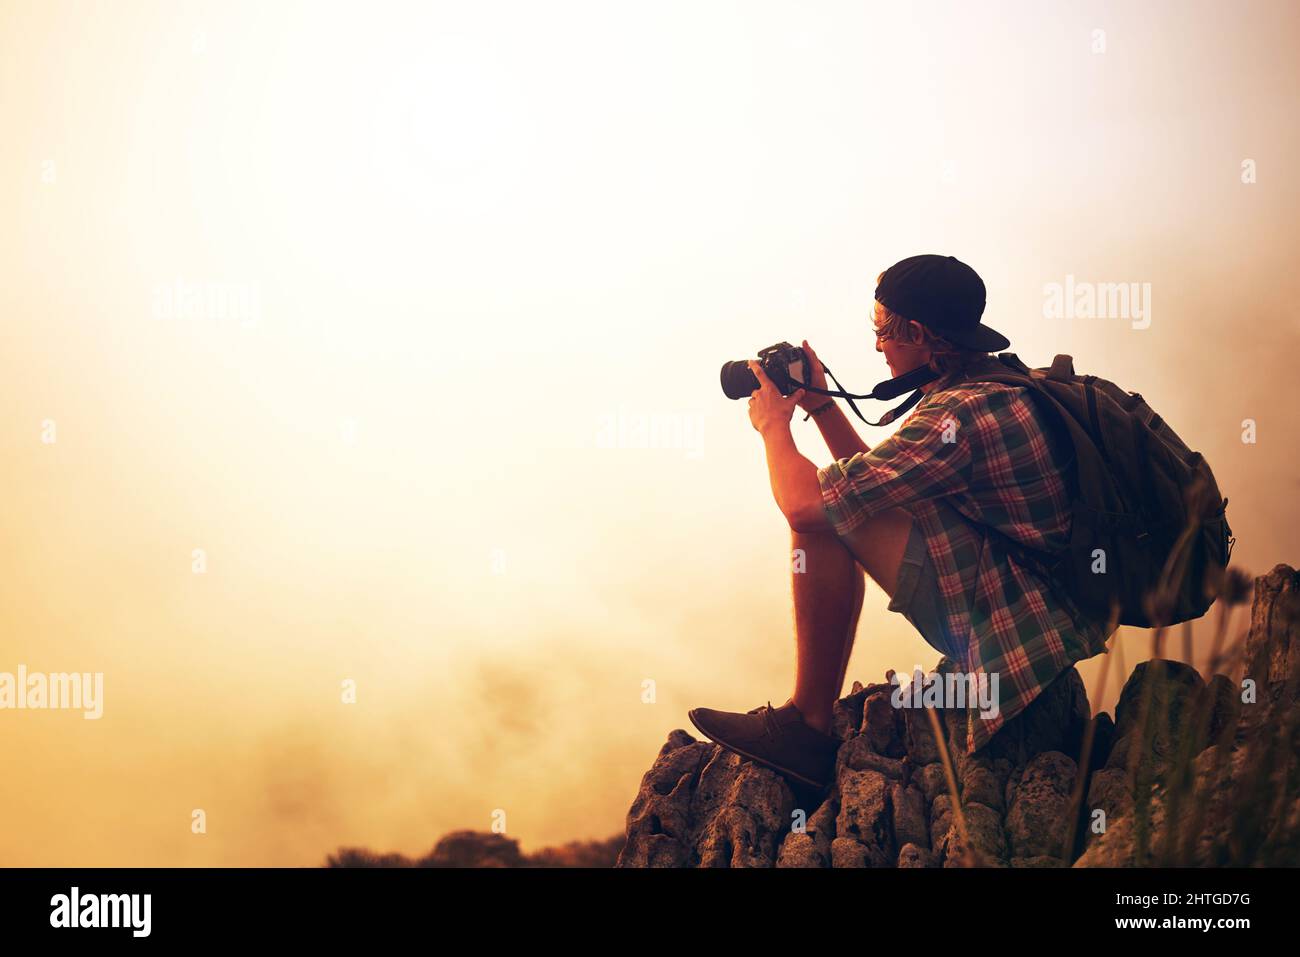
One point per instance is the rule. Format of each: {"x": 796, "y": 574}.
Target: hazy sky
{"x": 409, "y": 317}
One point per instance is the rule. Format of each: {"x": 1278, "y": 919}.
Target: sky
{"x": 360, "y": 370}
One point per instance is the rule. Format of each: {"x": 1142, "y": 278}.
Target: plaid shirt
{"x": 979, "y": 450}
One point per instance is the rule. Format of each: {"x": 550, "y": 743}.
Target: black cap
{"x": 943, "y": 294}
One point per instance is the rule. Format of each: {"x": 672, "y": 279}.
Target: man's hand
{"x": 768, "y": 408}
{"x": 814, "y": 376}
{"x": 794, "y": 479}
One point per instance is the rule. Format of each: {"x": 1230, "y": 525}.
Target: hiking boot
{"x": 777, "y": 738}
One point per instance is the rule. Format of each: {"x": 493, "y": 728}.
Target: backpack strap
{"x": 1013, "y": 361}
{"x": 1013, "y": 371}
{"x": 1047, "y": 564}
{"x": 1062, "y": 369}
{"x": 1090, "y": 476}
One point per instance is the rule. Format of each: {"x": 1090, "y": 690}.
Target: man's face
{"x": 903, "y": 356}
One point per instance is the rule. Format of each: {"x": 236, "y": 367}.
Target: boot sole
{"x": 765, "y": 762}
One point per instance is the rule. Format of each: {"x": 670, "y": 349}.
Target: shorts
{"x": 917, "y": 598}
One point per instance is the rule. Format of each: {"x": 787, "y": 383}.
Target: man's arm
{"x": 795, "y": 485}
{"x": 841, "y": 437}
{"x": 794, "y": 481}
{"x": 928, "y": 457}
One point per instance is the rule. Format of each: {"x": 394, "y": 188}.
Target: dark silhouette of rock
{"x": 1172, "y": 689}
{"x": 485, "y": 849}
{"x": 361, "y": 857}
{"x": 579, "y": 854}
{"x": 474, "y": 849}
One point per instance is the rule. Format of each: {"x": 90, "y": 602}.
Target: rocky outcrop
{"x": 485, "y": 849}
{"x": 1188, "y": 772}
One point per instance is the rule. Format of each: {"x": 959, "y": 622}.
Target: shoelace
{"x": 770, "y": 727}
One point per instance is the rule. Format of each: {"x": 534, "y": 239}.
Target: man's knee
{"x": 878, "y": 544}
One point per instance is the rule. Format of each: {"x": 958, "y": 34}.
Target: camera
{"x": 786, "y": 365}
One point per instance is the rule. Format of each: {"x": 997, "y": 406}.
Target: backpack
{"x": 1150, "y": 531}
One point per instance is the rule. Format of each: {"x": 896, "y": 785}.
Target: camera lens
{"x": 737, "y": 381}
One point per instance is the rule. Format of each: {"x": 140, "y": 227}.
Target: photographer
{"x": 928, "y": 514}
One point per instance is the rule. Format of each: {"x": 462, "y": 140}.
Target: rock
{"x": 986, "y": 837}
{"x": 1039, "y": 816}
{"x": 487, "y": 849}
{"x": 908, "y": 805}
{"x": 932, "y": 779}
{"x": 1172, "y": 691}
{"x": 912, "y": 856}
{"x": 846, "y": 852}
{"x": 474, "y": 849}
{"x": 1112, "y": 849}
{"x": 700, "y": 805}
{"x": 588, "y": 854}
{"x": 858, "y": 755}
{"x": 660, "y": 832}
{"x": 1009, "y": 792}
{"x": 1109, "y": 793}
{"x": 979, "y": 783}
{"x": 918, "y": 739}
{"x": 1274, "y": 639}
{"x": 799, "y": 850}
{"x": 940, "y": 820}
{"x": 865, "y": 815}
{"x": 676, "y": 739}
{"x": 882, "y": 725}
{"x": 1210, "y": 815}
{"x": 1215, "y": 781}
{"x": 744, "y": 813}
{"x": 1224, "y": 705}
{"x": 846, "y": 715}
{"x": 812, "y": 848}
{"x": 1054, "y": 721}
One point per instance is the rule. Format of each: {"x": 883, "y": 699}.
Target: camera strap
{"x": 889, "y": 389}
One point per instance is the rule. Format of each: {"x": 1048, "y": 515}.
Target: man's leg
{"x": 828, "y": 597}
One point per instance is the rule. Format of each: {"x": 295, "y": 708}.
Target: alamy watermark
{"x": 208, "y": 301}
{"x": 950, "y": 690}
{"x": 75, "y": 909}
{"x": 1098, "y": 300}
{"x": 36, "y": 690}
{"x": 652, "y": 430}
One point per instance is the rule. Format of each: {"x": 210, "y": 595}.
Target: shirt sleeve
{"x": 929, "y": 456}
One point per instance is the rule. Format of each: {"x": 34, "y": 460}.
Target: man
{"x": 933, "y": 514}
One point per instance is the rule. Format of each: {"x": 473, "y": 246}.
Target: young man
{"x": 933, "y": 514}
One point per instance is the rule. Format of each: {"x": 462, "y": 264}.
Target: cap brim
{"x": 980, "y": 337}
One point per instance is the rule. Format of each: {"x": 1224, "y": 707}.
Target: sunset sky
{"x": 409, "y": 318}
